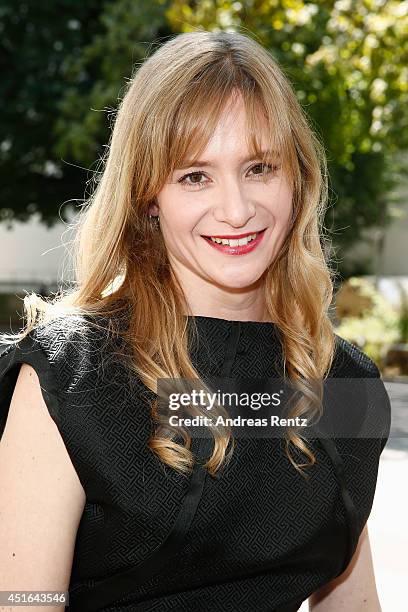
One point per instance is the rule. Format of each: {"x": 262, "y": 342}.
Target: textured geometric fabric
{"x": 262, "y": 538}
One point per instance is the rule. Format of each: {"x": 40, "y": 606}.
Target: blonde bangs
{"x": 194, "y": 120}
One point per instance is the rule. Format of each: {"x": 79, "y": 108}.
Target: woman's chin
{"x": 234, "y": 281}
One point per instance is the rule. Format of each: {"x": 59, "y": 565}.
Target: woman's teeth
{"x": 234, "y": 242}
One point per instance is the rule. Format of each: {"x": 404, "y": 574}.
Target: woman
{"x": 210, "y": 146}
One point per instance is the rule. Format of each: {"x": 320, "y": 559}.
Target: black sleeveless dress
{"x": 259, "y": 537}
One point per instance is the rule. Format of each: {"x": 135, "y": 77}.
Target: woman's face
{"x": 225, "y": 196}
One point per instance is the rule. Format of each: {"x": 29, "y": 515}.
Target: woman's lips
{"x": 239, "y": 249}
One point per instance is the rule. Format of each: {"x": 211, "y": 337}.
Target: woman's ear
{"x": 153, "y": 208}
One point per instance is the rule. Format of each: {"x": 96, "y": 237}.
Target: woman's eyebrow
{"x": 189, "y": 163}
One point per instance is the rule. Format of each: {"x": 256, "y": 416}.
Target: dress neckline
{"x": 209, "y": 319}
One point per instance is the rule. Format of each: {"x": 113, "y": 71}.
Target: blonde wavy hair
{"x": 169, "y": 111}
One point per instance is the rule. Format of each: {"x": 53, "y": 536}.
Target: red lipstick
{"x": 234, "y": 236}
{"x": 238, "y": 249}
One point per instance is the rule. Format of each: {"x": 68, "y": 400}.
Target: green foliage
{"x": 37, "y": 38}
{"x": 64, "y": 63}
{"x": 377, "y": 328}
{"x": 403, "y": 325}
{"x": 96, "y": 78}
{"x": 403, "y": 317}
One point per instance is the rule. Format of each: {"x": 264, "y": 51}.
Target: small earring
{"x": 156, "y": 220}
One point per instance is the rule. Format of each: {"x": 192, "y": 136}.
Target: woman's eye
{"x": 188, "y": 179}
{"x": 184, "y": 181}
{"x": 272, "y": 168}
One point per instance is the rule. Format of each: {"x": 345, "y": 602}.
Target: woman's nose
{"x": 235, "y": 206}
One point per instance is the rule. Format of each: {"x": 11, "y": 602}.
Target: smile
{"x": 236, "y": 245}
